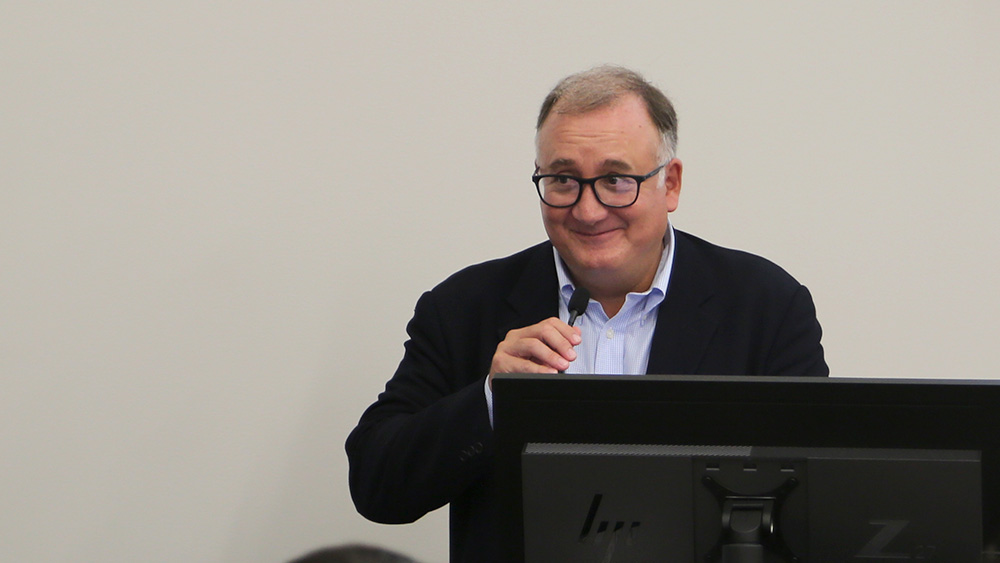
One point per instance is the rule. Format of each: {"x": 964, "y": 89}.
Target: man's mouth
{"x": 594, "y": 235}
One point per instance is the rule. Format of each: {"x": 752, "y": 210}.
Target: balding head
{"x": 604, "y": 85}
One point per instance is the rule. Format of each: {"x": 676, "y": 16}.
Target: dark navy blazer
{"x": 427, "y": 440}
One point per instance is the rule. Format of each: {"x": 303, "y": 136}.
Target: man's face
{"x": 605, "y": 246}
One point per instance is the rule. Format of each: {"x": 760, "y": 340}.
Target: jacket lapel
{"x": 684, "y": 322}
{"x": 535, "y": 295}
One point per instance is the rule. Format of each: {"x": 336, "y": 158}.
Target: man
{"x": 662, "y": 302}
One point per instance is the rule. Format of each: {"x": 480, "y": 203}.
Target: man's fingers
{"x": 514, "y": 364}
{"x": 545, "y": 347}
{"x": 541, "y": 353}
{"x": 559, "y": 336}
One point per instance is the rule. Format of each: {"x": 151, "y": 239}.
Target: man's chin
{"x": 594, "y": 265}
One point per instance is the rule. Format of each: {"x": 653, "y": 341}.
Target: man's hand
{"x": 546, "y": 347}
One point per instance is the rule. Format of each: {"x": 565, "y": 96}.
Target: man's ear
{"x": 672, "y": 183}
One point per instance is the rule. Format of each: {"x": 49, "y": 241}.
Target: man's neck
{"x": 611, "y": 288}
{"x": 612, "y": 293}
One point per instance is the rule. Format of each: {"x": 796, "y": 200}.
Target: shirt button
{"x": 611, "y": 333}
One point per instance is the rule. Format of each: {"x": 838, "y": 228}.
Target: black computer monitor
{"x": 733, "y": 469}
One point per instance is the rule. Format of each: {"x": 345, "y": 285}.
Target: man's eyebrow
{"x": 560, "y": 162}
{"x": 609, "y": 164}
{"x": 612, "y": 163}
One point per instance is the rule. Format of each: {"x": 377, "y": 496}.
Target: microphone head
{"x": 578, "y": 301}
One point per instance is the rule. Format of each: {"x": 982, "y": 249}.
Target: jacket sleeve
{"x": 427, "y": 438}
{"x": 796, "y": 348}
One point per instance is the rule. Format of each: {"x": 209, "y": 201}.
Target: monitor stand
{"x": 749, "y": 524}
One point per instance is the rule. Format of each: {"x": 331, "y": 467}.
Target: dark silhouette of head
{"x": 355, "y": 553}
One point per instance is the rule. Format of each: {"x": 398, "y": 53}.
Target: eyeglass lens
{"x": 611, "y": 190}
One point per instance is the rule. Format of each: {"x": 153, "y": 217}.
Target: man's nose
{"x": 588, "y": 209}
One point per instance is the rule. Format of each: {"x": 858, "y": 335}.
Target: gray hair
{"x": 601, "y": 86}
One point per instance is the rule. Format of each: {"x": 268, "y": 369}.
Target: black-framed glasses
{"x": 612, "y": 190}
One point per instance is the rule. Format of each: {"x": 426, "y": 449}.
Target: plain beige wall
{"x": 215, "y": 219}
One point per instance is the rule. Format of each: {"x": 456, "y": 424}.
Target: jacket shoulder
{"x": 731, "y": 264}
{"x": 498, "y": 273}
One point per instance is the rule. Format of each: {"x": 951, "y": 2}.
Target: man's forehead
{"x": 620, "y": 150}
{"x": 629, "y": 102}
{"x": 619, "y": 123}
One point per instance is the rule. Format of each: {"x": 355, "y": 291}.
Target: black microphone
{"x": 578, "y": 304}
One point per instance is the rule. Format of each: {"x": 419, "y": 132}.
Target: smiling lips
{"x": 587, "y": 235}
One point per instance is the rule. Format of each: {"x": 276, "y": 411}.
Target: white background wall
{"x": 215, "y": 219}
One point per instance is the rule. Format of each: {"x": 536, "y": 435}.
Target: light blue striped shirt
{"x": 621, "y": 344}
